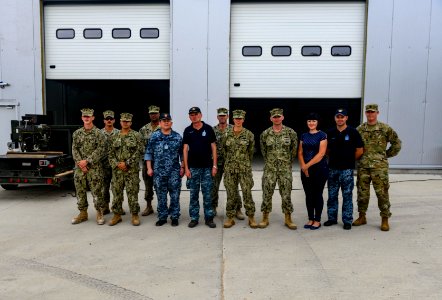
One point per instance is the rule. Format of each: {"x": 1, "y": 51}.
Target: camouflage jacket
{"x": 89, "y": 145}
{"x": 238, "y": 151}
{"x": 278, "y": 148}
{"x": 220, "y": 140}
{"x": 146, "y": 132}
{"x": 376, "y": 139}
{"x": 126, "y": 148}
{"x": 108, "y": 136}
{"x": 166, "y": 152}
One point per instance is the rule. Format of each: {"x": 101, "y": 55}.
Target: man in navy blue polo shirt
{"x": 344, "y": 147}
{"x": 200, "y": 163}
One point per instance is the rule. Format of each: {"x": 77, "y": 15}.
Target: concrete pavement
{"x": 43, "y": 256}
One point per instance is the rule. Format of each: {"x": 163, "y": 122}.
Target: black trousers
{"x": 313, "y": 188}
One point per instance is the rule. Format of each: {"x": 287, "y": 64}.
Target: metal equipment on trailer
{"x": 39, "y": 154}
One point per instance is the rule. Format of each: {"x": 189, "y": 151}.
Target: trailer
{"x": 39, "y": 154}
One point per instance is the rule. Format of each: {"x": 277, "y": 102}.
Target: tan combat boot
{"x": 252, "y": 222}
{"x": 361, "y": 220}
{"x": 288, "y": 222}
{"x": 115, "y": 220}
{"x": 100, "y": 218}
{"x": 82, "y": 216}
{"x": 384, "y": 224}
{"x": 148, "y": 210}
{"x": 265, "y": 220}
{"x": 240, "y": 215}
{"x": 135, "y": 220}
{"x": 229, "y": 223}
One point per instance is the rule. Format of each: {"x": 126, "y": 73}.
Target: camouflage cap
{"x": 108, "y": 113}
{"x": 239, "y": 114}
{"x": 87, "y": 112}
{"x": 222, "y": 111}
{"x": 165, "y": 116}
{"x": 277, "y": 112}
{"x": 371, "y": 107}
{"x": 154, "y": 109}
{"x": 126, "y": 117}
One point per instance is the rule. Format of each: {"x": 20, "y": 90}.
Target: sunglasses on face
{"x": 109, "y": 119}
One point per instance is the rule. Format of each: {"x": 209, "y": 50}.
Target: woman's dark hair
{"x": 313, "y": 116}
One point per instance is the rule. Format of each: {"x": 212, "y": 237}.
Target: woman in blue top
{"x": 314, "y": 169}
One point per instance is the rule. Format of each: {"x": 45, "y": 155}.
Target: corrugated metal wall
{"x": 403, "y": 75}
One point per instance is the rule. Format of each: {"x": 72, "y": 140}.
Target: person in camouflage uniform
{"x": 373, "y": 165}
{"x": 146, "y": 131}
{"x": 125, "y": 153}
{"x": 238, "y": 153}
{"x": 165, "y": 149}
{"x": 220, "y": 133}
{"x": 108, "y": 130}
{"x": 278, "y": 146}
{"x": 200, "y": 163}
{"x": 88, "y": 150}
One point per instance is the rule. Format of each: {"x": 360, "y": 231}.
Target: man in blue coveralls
{"x": 165, "y": 148}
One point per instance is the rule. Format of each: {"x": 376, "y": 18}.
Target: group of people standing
{"x": 110, "y": 157}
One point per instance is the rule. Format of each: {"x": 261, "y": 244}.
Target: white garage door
{"x": 129, "y": 41}
{"x": 297, "y": 50}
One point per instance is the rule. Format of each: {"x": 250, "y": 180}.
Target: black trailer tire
{"x": 9, "y": 186}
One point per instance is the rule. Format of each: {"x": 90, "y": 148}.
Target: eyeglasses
{"x": 276, "y": 117}
{"x": 109, "y": 119}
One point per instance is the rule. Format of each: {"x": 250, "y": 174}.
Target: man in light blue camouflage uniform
{"x": 88, "y": 150}
{"x": 146, "y": 132}
{"x": 109, "y": 130}
{"x": 278, "y": 147}
{"x": 165, "y": 150}
{"x": 126, "y": 149}
{"x": 373, "y": 165}
{"x": 221, "y": 132}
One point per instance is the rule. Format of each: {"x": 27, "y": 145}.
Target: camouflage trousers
{"x": 129, "y": 180}
{"x": 381, "y": 184}
{"x": 107, "y": 178}
{"x": 231, "y": 181}
{"x": 94, "y": 179}
{"x": 168, "y": 184}
{"x": 148, "y": 183}
{"x": 201, "y": 177}
{"x": 215, "y": 189}
{"x": 284, "y": 178}
{"x": 340, "y": 179}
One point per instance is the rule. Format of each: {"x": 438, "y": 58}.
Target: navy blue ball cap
{"x": 194, "y": 110}
{"x": 165, "y": 116}
{"x": 341, "y": 111}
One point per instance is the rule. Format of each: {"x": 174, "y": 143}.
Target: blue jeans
{"x": 201, "y": 178}
{"x": 340, "y": 179}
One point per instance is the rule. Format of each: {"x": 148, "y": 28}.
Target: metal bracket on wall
{"x": 4, "y": 84}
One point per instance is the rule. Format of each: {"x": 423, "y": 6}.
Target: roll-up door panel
{"x": 107, "y": 57}
{"x": 324, "y": 24}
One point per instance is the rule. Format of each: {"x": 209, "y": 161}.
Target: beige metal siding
{"x": 107, "y": 58}
{"x": 297, "y": 24}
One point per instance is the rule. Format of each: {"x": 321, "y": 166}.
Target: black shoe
{"x": 209, "y": 222}
{"x": 347, "y": 226}
{"x": 174, "y": 222}
{"x": 315, "y": 227}
{"x": 160, "y": 222}
{"x": 193, "y": 223}
{"x": 330, "y": 223}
